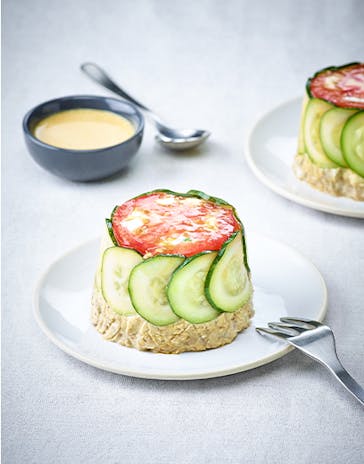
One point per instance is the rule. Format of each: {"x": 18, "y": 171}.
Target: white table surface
{"x": 210, "y": 64}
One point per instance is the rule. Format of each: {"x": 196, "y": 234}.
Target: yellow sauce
{"x": 84, "y": 129}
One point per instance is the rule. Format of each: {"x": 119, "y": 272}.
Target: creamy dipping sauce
{"x": 84, "y": 129}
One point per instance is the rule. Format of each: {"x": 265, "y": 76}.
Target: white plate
{"x": 270, "y": 150}
{"x": 285, "y": 283}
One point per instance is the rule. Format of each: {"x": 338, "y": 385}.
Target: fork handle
{"x": 334, "y": 365}
{"x": 346, "y": 379}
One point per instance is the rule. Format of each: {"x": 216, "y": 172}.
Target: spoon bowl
{"x": 180, "y": 140}
{"x": 172, "y": 139}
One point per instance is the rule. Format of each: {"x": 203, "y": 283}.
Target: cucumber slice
{"x": 331, "y": 126}
{"x": 106, "y": 242}
{"x": 352, "y": 142}
{"x": 186, "y": 289}
{"x": 301, "y": 141}
{"x": 311, "y": 133}
{"x": 228, "y": 286}
{"x": 148, "y": 288}
{"x": 117, "y": 263}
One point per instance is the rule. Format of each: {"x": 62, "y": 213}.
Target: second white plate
{"x": 293, "y": 287}
{"x": 270, "y": 150}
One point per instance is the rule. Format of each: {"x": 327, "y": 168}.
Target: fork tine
{"x": 301, "y": 322}
{"x": 266, "y": 331}
{"x": 289, "y": 329}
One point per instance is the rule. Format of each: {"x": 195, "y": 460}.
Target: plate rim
{"x": 280, "y": 190}
{"x": 161, "y": 375}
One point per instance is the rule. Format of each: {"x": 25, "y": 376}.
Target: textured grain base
{"x": 339, "y": 182}
{"x": 135, "y": 332}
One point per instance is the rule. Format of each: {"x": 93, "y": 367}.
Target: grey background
{"x": 213, "y": 64}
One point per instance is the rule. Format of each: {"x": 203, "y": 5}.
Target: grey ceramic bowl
{"x": 83, "y": 165}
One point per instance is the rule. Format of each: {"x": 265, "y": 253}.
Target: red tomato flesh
{"x": 163, "y": 223}
{"x": 343, "y": 87}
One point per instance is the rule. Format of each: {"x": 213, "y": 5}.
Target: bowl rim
{"x": 29, "y": 114}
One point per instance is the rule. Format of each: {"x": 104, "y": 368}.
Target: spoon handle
{"x": 98, "y": 75}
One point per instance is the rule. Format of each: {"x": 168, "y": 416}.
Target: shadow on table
{"x": 292, "y": 365}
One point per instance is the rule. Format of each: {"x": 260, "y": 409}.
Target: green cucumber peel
{"x": 205, "y": 196}
{"x": 189, "y": 194}
{"x": 163, "y": 255}
{"x": 111, "y": 232}
{"x": 189, "y": 259}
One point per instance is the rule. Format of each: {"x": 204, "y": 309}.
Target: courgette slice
{"x": 117, "y": 263}
{"x": 311, "y": 132}
{"x": 186, "y": 293}
{"x": 228, "y": 285}
{"x": 331, "y": 127}
{"x": 148, "y": 288}
{"x": 352, "y": 142}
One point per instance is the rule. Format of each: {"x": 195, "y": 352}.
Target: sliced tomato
{"x": 343, "y": 86}
{"x": 168, "y": 223}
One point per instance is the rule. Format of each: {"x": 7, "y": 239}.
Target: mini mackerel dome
{"x": 173, "y": 274}
{"x": 330, "y": 155}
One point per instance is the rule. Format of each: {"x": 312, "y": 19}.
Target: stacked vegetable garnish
{"x": 173, "y": 274}
{"x": 331, "y": 142}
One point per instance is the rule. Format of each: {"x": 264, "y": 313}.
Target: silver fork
{"x": 317, "y": 341}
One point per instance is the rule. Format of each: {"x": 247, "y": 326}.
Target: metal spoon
{"x": 174, "y": 139}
